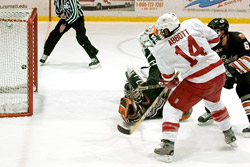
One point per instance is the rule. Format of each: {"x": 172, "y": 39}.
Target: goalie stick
{"x": 140, "y": 88}
{"x": 130, "y": 131}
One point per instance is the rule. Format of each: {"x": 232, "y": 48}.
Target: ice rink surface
{"x": 76, "y": 112}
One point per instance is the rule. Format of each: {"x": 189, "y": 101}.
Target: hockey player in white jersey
{"x": 186, "y": 48}
{"x": 135, "y": 101}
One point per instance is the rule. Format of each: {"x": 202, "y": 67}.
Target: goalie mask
{"x": 128, "y": 112}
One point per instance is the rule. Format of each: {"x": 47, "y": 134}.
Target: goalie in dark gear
{"x": 135, "y": 103}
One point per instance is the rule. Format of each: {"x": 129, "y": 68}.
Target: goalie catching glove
{"x": 129, "y": 114}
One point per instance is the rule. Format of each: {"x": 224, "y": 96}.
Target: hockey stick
{"x": 130, "y": 131}
{"x": 159, "y": 85}
{"x": 140, "y": 88}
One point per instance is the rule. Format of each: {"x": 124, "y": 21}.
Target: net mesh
{"x": 14, "y": 60}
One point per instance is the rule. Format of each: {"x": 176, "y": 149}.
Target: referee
{"x": 71, "y": 15}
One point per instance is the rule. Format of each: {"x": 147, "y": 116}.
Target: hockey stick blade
{"x": 123, "y": 130}
{"x": 128, "y": 131}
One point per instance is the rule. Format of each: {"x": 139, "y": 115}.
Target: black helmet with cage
{"x": 219, "y": 24}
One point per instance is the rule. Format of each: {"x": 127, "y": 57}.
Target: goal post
{"x": 18, "y": 61}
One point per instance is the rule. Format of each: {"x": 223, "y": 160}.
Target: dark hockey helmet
{"x": 219, "y": 24}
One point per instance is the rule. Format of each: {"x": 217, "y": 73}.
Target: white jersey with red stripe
{"x": 189, "y": 52}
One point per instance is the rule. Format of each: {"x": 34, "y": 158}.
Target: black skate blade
{"x": 123, "y": 130}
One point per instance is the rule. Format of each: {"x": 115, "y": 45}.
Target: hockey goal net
{"x": 18, "y": 61}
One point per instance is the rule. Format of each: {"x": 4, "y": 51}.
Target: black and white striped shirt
{"x": 71, "y": 8}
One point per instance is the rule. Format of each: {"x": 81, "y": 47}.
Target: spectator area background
{"x": 237, "y": 11}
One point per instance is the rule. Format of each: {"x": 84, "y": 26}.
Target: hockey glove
{"x": 231, "y": 76}
{"x": 229, "y": 83}
{"x": 129, "y": 114}
{"x": 232, "y": 71}
{"x": 170, "y": 84}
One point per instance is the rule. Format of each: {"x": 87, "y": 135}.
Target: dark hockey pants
{"x": 81, "y": 37}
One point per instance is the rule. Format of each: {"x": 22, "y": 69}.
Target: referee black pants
{"x": 81, "y": 37}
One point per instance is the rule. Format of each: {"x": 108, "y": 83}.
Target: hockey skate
{"x": 95, "y": 63}
{"x": 246, "y": 132}
{"x": 205, "y": 119}
{"x": 230, "y": 137}
{"x": 43, "y": 58}
{"x": 166, "y": 152}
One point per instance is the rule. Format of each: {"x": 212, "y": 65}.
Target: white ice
{"x": 76, "y": 112}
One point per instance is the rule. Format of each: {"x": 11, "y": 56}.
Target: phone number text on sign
{"x": 149, "y": 5}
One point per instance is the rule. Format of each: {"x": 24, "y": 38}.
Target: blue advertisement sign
{"x": 205, "y": 3}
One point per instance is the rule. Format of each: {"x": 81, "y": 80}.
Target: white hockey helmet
{"x": 167, "y": 21}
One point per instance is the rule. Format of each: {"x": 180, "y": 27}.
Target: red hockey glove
{"x": 170, "y": 84}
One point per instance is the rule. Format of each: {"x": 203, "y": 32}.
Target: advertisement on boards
{"x": 226, "y": 6}
{"x": 144, "y": 8}
{"x": 41, "y": 5}
{"x": 12, "y": 6}
{"x": 111, "y": 5}
{"x": 150, "y": 5}
{"x": 123, "y": 5}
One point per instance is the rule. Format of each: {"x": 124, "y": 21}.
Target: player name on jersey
{"x": 178, "y": 36}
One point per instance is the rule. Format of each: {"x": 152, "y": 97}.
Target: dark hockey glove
{"x": 232, "y": 71}
{"x": 154, "y": 73}
{"x": 229, "y": 83}
{"x": 231, "y": 76}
